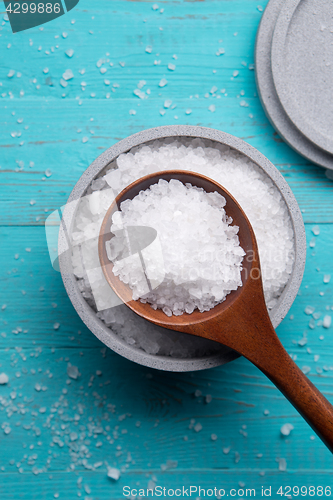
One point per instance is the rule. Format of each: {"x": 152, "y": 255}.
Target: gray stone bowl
{"x": 88, "y": 315}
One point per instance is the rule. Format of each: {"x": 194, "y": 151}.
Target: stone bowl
{"x": 88, "y": 315}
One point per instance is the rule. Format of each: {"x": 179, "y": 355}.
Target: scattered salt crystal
{"x": 170, "y": 464}
{"x": 266, "y": 412}
{"x": 11, "y": 73}
{"x": 132, "y": 112}
{"x": 188, "y": 111}
{"x": 64, "y": 34}
{"x": 68, "y": 74}
{"x": 327, "y": 321}
{"x": 45, "y": 71}
{"x": 235, "y": 73}
{"x": 69, "y": 52}
{"x": 198, "y": 427}
{"x": 73, "y": 371}
{"x": 56, "y": 326}
{"x": 209, "y": 398}
{"x": 327, "y": 278}
{"x": 282, "y": 464}
{"x": 309, "y": 310}
{"x": 286, "y": 429}
{"x": 212, "y": 108}
{"x": 149, "y": 49}
{"x": 226, "y": 450}
{"x": 316, "y": 230}
{"x": 213, "y": 437}
{"x": 3, "y": 378}
{"x": 163, "y": 82}
{"x": 237, "y": 457}
{"x": 113, "y": 473}
{"x": 85, "y": 139}
{"x": 63, "y": 83}
{"x": 171, "y": 67}
{"x": 48, "y": 173}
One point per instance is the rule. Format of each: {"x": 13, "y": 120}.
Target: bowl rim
{"x": 95, "y": 325}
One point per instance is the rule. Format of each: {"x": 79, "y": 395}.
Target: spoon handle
{"x": 297, "y": 388}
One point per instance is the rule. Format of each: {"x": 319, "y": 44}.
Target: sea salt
{"x": 252, "y": 188}
{"x": 195, "y": 271}
{"x": 3, "y": 379}
{"x": 113, "y": 473}
{"x": 327, "y": 321}
{"x": 286, "y": 429}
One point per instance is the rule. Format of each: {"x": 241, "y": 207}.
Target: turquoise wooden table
{"x": 220, "y": 428}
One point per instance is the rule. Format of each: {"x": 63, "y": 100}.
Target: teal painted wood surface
{"x": 57, "y": 434}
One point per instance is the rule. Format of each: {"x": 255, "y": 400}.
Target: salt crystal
{"x": 69, "y": 52}
{"x": 11, "y": 73}
{"x": 73, "y": 371}
{"x": 235, "y": 73}
{"x": 113, "y": 473}
{"x": 213, "y": 437}
{"x": 309, "y": 310}
{"x": 327, "y": 278}
{"x": 286, "y": 429}
{"x": 163, "y": 82}
{"x": 226, "y": 450}
{"x": 171, "y": 67}
{"x": 212, "y": 108}
{"x": 198, "y": 427}
{"x": 327, "y": 321}
{"x": 282, "y": 464}
{"x": 48, "y": 172}
{"x": 149, "y": 49}
{"x": 316, "y": 230}
{"x": 68, "y": 74}
{"x": 3, "y": 378}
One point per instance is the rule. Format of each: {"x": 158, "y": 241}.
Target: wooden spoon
{"x": 241, "y": 321}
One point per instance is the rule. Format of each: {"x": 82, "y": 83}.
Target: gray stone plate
{"x": 269, "y": 98}
{"x": 302, "y": 67}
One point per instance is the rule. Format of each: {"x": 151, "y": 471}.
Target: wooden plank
{"x": 61, "y": 150}
{"x": 36, "y": 299}
{"x": 42, "y": 407}
{"x": 65, "y": 484}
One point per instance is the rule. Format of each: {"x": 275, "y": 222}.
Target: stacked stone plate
{"x": 294, "y": 72}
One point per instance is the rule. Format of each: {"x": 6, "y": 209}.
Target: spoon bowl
{"x": 241, "y": 321}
